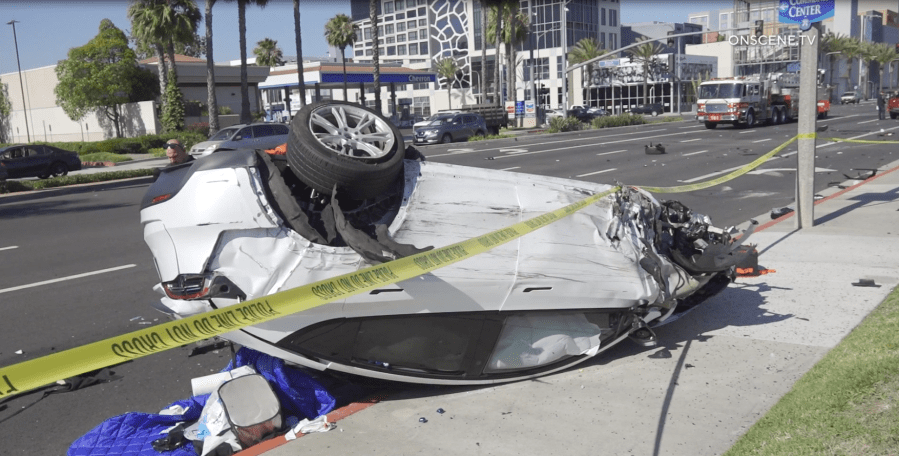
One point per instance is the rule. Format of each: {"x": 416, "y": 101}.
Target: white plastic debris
{"x": 19, "y": 352}
{"x": 174, "y": 410}
{"x": 319, "y": 424}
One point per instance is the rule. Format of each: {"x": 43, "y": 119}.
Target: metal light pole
{"x": 564, "y": 59}
{"x": 21, "y": 86}
{"x": 805, "y": 170}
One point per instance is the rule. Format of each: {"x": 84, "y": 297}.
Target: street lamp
{"x": 830, "y": 63}
{"x": 21, "y": 86}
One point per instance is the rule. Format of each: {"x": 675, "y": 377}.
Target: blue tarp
{"x": 131, "y": 434}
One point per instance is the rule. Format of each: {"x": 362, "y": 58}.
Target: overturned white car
{"x": 348, "y": 194}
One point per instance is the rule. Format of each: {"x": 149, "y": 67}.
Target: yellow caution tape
{"x": 25, "y": 376}
{"x": 31, "y": 374}
{"x": 861, "y": 141}
{"x": 807, "y": 136}
{"x": 730, "y": 176}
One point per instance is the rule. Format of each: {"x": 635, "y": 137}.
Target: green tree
{"x": 5, "y": 110}
{"x": 375, "y": 52}
{"x": 211, "y": 100}
{"x": 585, "y": 50}
{"x": 645, "y": 54}
{"x": 149, "y": 31}
{"x": 300, "y": 76}
{"x": 883, "y": 54}
{"x": 447, "y": 69}
{"x": 173, "y": 110}
{"x": 512, "y": 23}
{"x": 340, "y": 32}
{"x": 102, "y": 75}
{"x": 483, "y": 78}
{"x": 245, "y": 114}
{"x": 268, "y": 53}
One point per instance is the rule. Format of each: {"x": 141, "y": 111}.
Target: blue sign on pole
{"x": 805, "y": 12}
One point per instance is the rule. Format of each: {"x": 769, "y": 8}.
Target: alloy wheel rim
{"x": 351, "y": 131}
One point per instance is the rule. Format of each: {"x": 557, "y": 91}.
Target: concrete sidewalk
{"x": 718, "y": 369}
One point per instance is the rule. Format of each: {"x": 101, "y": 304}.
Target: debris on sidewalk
{"x": 865, "y": 283}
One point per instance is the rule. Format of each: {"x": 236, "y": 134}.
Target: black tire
{"x": 446, "y": 138}
{"x": 655, "y": 113}
{"x": 893, "y": 115}
{"x": 750, "y": 119}
{"x": 43, "y": 176}
{"x": 358, "y": 173}
{"x": 59, "y": 169}
{"x": 479, "y": 133}
{"x": 711, "y": 125}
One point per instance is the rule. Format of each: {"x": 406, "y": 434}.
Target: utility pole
{"x": 21, "y": 86}
{"x": 805, "y": 171}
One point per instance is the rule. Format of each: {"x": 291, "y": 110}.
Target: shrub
{"x": 23, "y": 186}
{"x": 560, "y": 124}
{"x": 618, "y": 121}
{"x": 483, "y": 138}
{"x": 104, "y": 157}
{"x": 157, "y": 152}
{"x": 199, "y": 127}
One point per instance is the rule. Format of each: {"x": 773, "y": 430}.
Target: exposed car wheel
{"x": 893, "y": 115}
{"x": 59, "y": 169}
{"x": 655, "y": 113}
{"x": 43, "y": 176}
{"x": 347, "y": 145}
{"x": 446, "y": 139}
{"x": 711, "y": 125}
{"x": 479, "y": 133}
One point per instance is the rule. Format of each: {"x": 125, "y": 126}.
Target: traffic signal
{"x": 759, "y": 27}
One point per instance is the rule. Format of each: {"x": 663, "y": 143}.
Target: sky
{"x": 47, "y": 29}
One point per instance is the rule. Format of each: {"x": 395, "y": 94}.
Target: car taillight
{"x": 187, "y": 286}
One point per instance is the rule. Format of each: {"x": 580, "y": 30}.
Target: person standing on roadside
{"x": 174, "y": 150}
{"x": 881, "y": 106}
{"x": 176, "y": 154}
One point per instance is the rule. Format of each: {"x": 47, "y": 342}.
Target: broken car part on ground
{"x": 348, "y": 194}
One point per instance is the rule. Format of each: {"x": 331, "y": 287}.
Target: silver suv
{"x": 253, "y": 136}
{"x": 849, "y": 97}
{"x": 447, "y": 128}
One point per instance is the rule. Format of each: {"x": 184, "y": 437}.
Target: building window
{"x": 359, "y": 53}
{"x": 602, "y": 17}
{"x": 413, "y": 48}
{"x": 367, "y": 33}
{"x": 602, "y": 39}
{"x": 400, "y": 16}
{"x": 391, "y": 40}
{"x": 369, "y": 52}
{"x": 613, "y": 18}
{"x": 399, "y": 5}
{"x": 401, "y": 27}
{"x": 423, "y": 47}
{"x": 410, "y": 14}
{"x": 401, "y": 38}
{"x": 391, "y": 50}
{"x": 613, "y": 37}
{"x": 388, "y": 7}
{"x": 401, "y": 49}
{"x": 421, "y": 106}
{"x": 388, "y": 29}
{"x": 421, "y": 85}
{"x": 422, "y": 22}
{"x": 413, "y": 36}
{"x": 411, "y": 25}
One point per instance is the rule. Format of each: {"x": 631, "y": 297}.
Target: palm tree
{"x": 211, "y": 102}
{"x": 514, "y": 35}
{"x": 300, "y": 76}
{"x": 645, "y": 54}
{"x": 496, "y": 21}
{"x": 340, "y": 32}
{"x": 245, "y": 115}
{"x": 375, "y": 53}
{"x": 483, "y": 78}
{"x": 883, "y": 54}
{"x": 586, "y": 49}
{"x": 146, "y": 25}
{"x": 268, "y": 53}
{"x": 447, "y": 69}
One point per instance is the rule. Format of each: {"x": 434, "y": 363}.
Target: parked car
{"x": 423, "y": 122}
{"x": 598, "y": 112}
{"x": 38, "y": 160}
{"x": 544, "y": 302}
{"x": 849, "y": 97}
{"x": 554, "y": 113}
{"x": 582, "y": 113}
{"x": 253, "y": 136}
{"x": 446, "y": 128}
{"x": 653, "y": 109}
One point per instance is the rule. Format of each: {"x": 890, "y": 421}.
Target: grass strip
{"x": 75, "y": 179}
{"x": 847, "y": 404}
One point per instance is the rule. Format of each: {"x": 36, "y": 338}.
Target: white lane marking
{"x": 590, "y": 145}
{"x": 9, "y": 248}
{"x": 781, "y": 156}
{"x": 761, "y": 140}
{"x": 597, "y": 172}
{"x": 747, "y": 131}
{"x": 856, "y": 137}
{"x": 471, "y": 151}
{"x": 512, "y": 151}
{"x": 770, "y": 170}
{"x": 687, "y": 181}
{"x": 510, "y": 169}
{"x": 62, "y": 279}
{"x": 613, "y": 152}
{"x": 694, "y": 153}
{"x": 691, "y": 140}
{"x": 691, "y": 126}
{"x": 867, "y": 121}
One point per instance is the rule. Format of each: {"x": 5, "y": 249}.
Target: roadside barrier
{"x": 28, "y": 375}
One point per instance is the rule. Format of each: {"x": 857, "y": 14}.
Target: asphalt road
{"x": 90, "y": 249}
